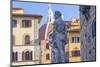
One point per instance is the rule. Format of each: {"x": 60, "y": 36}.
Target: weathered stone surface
{"x": 88, "y": 33}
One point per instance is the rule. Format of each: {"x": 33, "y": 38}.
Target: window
{"x": 75, "y": 39}
{"x": 14, "y": 56}
{"x": 27, "y": 40}
{"x": 14, "y": 23}
{"x": 75, "y": 53}
{"x": 27, "y": 55}
{"x": 78, "y": 39}
{"x": 47, "y": 57}
{"x": 47, "y": 46}
{"x": 72, "y": 39}
{"x": 26, "y": 23}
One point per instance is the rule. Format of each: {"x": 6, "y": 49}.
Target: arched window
{"x": 14, "y": 56}
{"x": 27, "y": 55}
{"x": 27, "y": 40}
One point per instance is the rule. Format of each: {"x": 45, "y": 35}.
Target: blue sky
{"x": 68, "y": 11}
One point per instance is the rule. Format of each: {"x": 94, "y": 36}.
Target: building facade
{"x": 88, "y": 33}
{"x": 25, "y": 38}
{"x": 72, "y": 48}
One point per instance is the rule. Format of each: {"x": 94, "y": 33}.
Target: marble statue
{"x": 57, "y": 40}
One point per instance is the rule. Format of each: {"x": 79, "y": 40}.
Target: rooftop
{"x": 17, "y": 8}
{"x": 27, "y": 15}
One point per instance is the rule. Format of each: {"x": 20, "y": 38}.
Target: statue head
{"x": 57, "y": 14}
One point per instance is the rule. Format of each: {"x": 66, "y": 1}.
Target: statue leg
{"x": 61, "y": 50}
{"x": 54, "y": 55}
